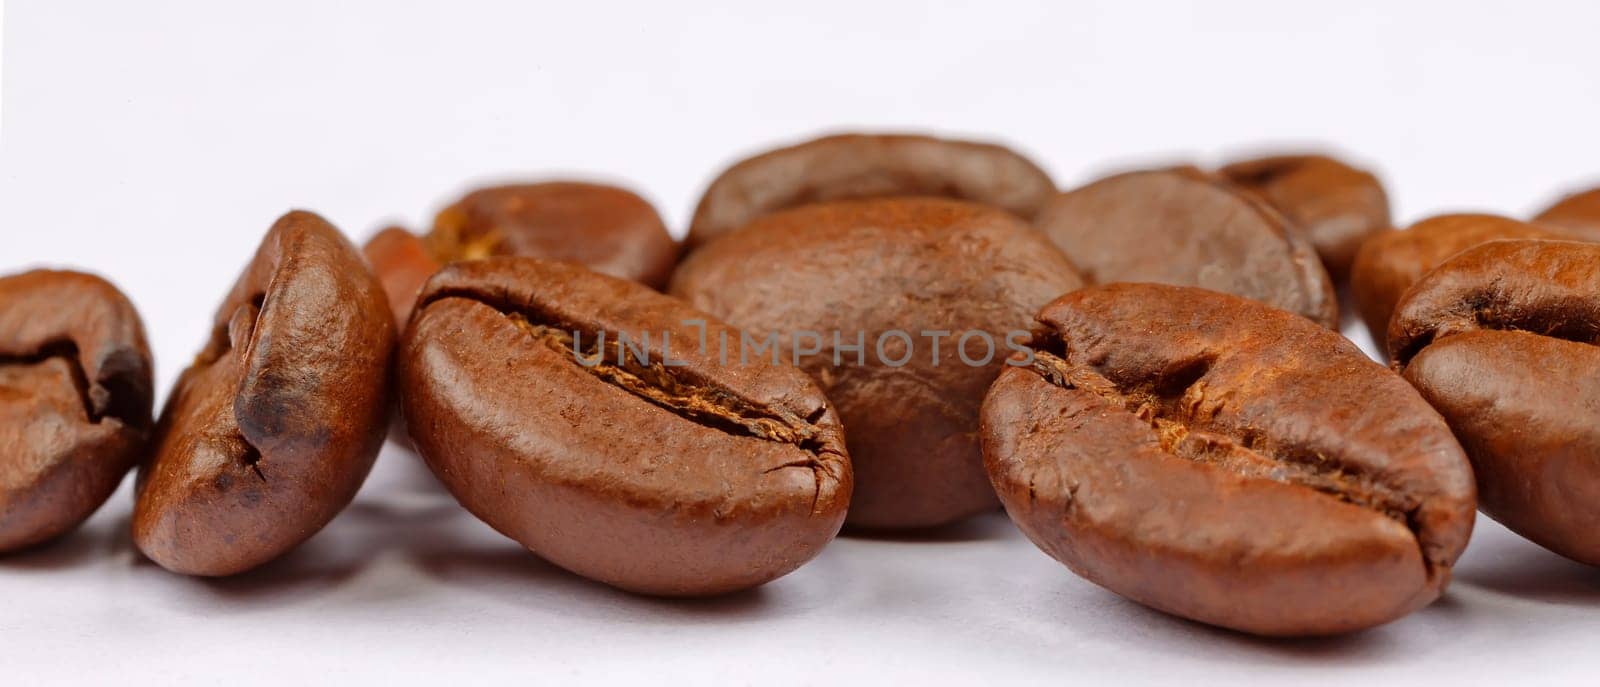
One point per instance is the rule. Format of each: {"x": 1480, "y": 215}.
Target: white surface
{"x": 153, "y": 142}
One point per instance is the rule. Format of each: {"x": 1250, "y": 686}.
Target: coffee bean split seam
{"x": 221, "y": 344}
{"x": 695, "y": 400}
{"x": 1172, "y": 405}
{"x": 98, "y": 404}
{"x": 1494, "y": 308}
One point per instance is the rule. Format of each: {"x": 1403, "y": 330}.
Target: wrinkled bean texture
{"x": 859, "y": 270}
{"x": 1337, "y": 206}
{"x": 605, "y": 228}
{"x": 859, "y": 166}
{"x": 271, "y": 430}
{"x": 75, "y": 399}
{"x": 1504, "y": 339}
{"x": 688, "y": 479}
{"x": 1391, "y": 262}
{"x": 1226, "y": 462}
{"x": 1186, "y": 228}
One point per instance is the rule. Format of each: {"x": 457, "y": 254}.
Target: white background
{"x": 153, "y": 142}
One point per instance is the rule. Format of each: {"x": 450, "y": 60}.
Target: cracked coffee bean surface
{"x": 1504, "y": 339}
{"x": 862, "y": 269}
{"x": 1188, "y": 228}
{"x": 694, "y": 478}
{"x": 1227, "y": 462}
{"x": 1337, "y": 206}
{"x": 271, "y": 430}
{"x": 75, "y": 401}
{"x": 860, "y": 166}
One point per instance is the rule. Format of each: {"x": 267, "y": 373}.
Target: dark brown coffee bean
{"x": 75, "y": 397}
{"x": 605, "y": 228}
{"x": 890, "y": 275}
{"x": 640, "y": 460}
{"x": 1576, "y": 216}
{"x": 1223, "y": 461}
{"x": 860, "y": 166}
{"x": 270, "y": 432}
{"x": 1390, "y": 262}
{"x": 1183, "y": 227}
{"x": 1504, "y": 339}
{"x": 1337, "y": 206}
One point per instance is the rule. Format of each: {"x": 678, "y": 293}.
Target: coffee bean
{"x": 1390, "y": 262}
{"x": 402, "y": 263}
{"x": 1504, "y": 339}
{"x": 1337, "y": 206}
{"x": 75, "y": 398}
{"x": 1576, "y": 216}
{"x": 1226, "y": 462}
{"x": 270, "y": 432}
{"x": 880, "y": 293}
{"x": 640, "y": 460}
{"x": 860, "y": 166}
{"x": 1183, "y": 227}
{"x": 606, "y": 228}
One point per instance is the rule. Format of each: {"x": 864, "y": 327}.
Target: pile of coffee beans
{"x": 867, "y": 332}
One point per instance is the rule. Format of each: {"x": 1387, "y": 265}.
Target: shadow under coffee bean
{"x": 1504, "y": 339}
{"x": 75, "y": 400}
{"x": 1228, "y": 462}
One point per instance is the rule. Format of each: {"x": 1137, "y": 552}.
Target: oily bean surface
{"x": 1504, "y": 339}
{"x": 859, "y": 166}
{"x": 694, "y": 478}
{"x": 1186, "y": 228}
{"x": 75, "y": 400}
{"x": 271, "y": 430}
{"x": 1336, "y": 205}
{"x": 862, "y": 270}
{"x": 1227, "y": 462}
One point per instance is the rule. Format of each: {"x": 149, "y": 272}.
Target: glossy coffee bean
{"x": 1576, "y": 216}
{"x": 1183, "y": 227}
{"x": 906, "y": 280}
{"x": 271, "y": 430}
{"x": 1226, "y": 462}
{"x": 605, "y": 228}
{"x": 1337, "y": 206}
{"x": 75, "y": 397}
{"x": 860, "y": 166}
{"x": 639, "y": 459}
{"x": 1504, "y": 339}
{"x": 1390, "y": 262}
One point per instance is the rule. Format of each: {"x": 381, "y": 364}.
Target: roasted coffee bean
{"x": 402, "y": 263}
{"x": 1183, "y": 227}
{"x": 879, "y": 299}
{"x": 860, "y": 166}
{"x": 1337, "y": 206}
{"x": 1223, "y": 461}
{"x": 579, "y": 414}
{"x": 606, "y": 228}
{"x": 1576, "y": 217}
{"x": 75, "y": 397}
{"x": 1390, "y": 262}
{"x": 269, "y": 433}
{"x": 1504, "y": 339}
